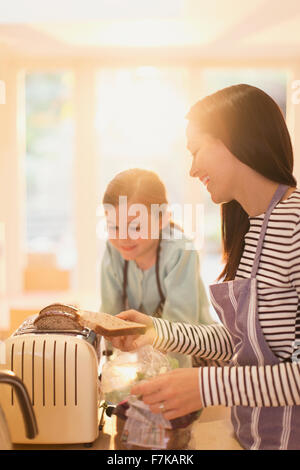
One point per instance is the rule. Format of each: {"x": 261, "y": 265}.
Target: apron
{"x": 236, "y": 304}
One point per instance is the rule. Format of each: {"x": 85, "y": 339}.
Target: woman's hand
{"x": 173, "y": 394}
{"x": 132, "y": 342}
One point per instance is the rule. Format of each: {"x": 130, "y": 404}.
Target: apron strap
{"x": 125, "y": 279}
{"x": 162, "y": 297}
{"x": 280, "y": 191}
{"x": 124, "y": 294}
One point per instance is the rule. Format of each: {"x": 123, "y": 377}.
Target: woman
{"x": 242, "y": 152}
{"x": 147, "y": 269}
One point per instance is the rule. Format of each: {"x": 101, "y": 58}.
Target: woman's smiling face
{"x": 214, "y": 165}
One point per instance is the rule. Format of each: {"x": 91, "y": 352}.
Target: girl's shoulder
{"x": 174, "y": 238}
{"x": 176, "y": 246}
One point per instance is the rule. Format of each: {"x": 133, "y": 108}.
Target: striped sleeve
{"x": 254, "y": 386}
{"x": 294, "y": 276}
{"x": 207, "y": 341}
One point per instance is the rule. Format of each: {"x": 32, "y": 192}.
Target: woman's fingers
{"x": 173, "y": 394}
{"x": 162, "y": 407}
{"x": 132, "y": 342}
{"x": 146, "y": 339}
{"x": 124, "y": 343}
{"x": 134, "y": 315}
{"x": 129, "y": 343}
{"x": 149, "y": 387}
{"x": 117, "y": 342}
{"x": 156, "y": 398}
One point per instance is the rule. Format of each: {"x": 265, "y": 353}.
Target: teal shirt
{"x": 179, "y": 271}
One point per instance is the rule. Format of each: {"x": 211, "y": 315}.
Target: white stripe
{"x": 279, "y": 386}
{"x": 234, "y": 304}
{"x": 205, "y": 391}
{"x": 286, "y": 427}
{"x": 237, "y": 431}
{"x": 228, "y": 390}
{"x": 227, "y": 337}
{"x": 252, "y": 325}
{"x": 200, "y": 371}
{"x": 254, "y": 428}
{"x": 256, "y": 349}
{"x": 217, "y": 307}
{"x": 206, "y": 334}
{"x": 165, "y": 334}
{"x": 231, "y": 295}
{"x": 284, "y": 430}
{"x": 219, "y": 385}
{"x": 214, "y": 384}
{"x": 262, "y": 379}
{"x": 195, "y": 340}
{"x": 222, "y": 343}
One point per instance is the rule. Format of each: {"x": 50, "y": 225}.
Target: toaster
{"x": 60, "y": 371}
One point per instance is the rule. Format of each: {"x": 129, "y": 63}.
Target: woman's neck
{"x": 148, "y": 259}
{"x": 256, "y": 193}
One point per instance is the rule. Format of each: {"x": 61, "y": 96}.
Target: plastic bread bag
{"x": 127, "y": 369}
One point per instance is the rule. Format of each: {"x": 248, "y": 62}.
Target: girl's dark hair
{"x": 252, "y": 126}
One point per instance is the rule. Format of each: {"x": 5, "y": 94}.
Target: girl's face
{"x": 214, "y": 165}
{"x": 131, "y": 234}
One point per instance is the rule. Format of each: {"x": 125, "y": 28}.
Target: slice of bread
{"x": 58, "y": 317}
{"x": 108, "y": 325}
{"x": 61, "y": 316}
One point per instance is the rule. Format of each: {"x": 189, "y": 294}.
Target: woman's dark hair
{"x": 252, "y": 126}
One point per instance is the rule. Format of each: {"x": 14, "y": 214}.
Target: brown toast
{"x": 108, "y": 325}
{"x": 60, "y": 316}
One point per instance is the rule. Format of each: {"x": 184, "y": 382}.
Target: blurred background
{"x": 91, "y": 90}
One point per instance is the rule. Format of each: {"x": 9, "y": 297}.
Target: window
{"x": 49, "y": 161}
{"x": 140, "y": 123}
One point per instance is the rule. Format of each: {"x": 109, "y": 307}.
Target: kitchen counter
{"x": 212, "y": 431}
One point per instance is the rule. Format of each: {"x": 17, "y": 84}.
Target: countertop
{"x": 212, "y": 431}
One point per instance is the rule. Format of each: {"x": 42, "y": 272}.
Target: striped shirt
{"x": 278, "y": 291}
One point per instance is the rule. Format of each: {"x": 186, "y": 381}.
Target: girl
{"x": 242, "y": 152}
{"x": 143, "y": 269}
